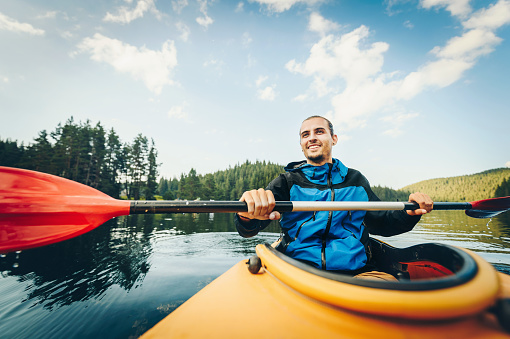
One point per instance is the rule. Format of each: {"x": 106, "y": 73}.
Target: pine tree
{"x": 10, "y": 153}
{"x": 152, "y": 173}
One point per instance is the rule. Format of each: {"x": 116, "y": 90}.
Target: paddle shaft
{"x": 185, "y": 206}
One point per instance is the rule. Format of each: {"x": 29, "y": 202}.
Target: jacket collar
{"x": 319, "y": 174}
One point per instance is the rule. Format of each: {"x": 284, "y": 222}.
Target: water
{"x": 122, "y": 278}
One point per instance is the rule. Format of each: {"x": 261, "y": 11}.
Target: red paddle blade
{"x": 489, "y": 208}
{"x": 38, "y": 209}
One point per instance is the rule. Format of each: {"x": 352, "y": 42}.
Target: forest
{"x": 228, "y": 184}
{"x": 488, "y": 184}
{"x": 91, "y": 155}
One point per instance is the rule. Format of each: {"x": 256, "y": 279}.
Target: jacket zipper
{"x": 330, "y": 218}
{"x": 348, "y": 230}
{"x": 286, "y": 244}
{"x": 299, "y": 229}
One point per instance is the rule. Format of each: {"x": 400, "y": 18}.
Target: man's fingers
{"x": 261, "y": 207}
{"x": 270, "y": 201}
{"x": 260, "y": 204}
{"x": 248, "y": 198}
{"x": 275, "y": 215}
{"x": 424, "y": 201}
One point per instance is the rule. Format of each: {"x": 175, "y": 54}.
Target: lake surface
{"x": 122, "y": 278}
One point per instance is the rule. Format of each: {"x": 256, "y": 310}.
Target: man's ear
{"x": 335, "y": 139}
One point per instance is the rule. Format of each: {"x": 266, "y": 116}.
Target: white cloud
{"x": 267, "y": 94}
{"x": 279, "y": 6}
{"x": 239, "y": 7}
{"x": 319, "y": 24}
{"x": 179, "y": 5}
{"x": 5, "y": 79}
{"x": 320, "y": 87}
{"x": 334, "y": 57}
{"x": 125, "y": 15}
{"x": 300, "y": 98}
{"x": 178, "y": 112}
{"x": 397, "y": 120}
{"x": 184, "y": 30}
{"x": 48, "y": 15}
{"x": 350, "y": 59}
{"x": 507, "y": 164}
{"x": 206, "y": 20}
{"x": 53, "y": 15}
{"x": 469, "y": 46}
{"x": 490, "y": 18}
{"x": 408, "y": 24}
{"x": 458, "y": 8}
{"x": 390, "y": 4}
{"x": 153, "y": 68}
{"x": 9, "y": 24}
{"x": 250, "y": 61}
{"x": 66, "y": 35}
{"x": 261, "y": 79}
{"x": 213, "y": 63}
{"x": 247, "y": 40}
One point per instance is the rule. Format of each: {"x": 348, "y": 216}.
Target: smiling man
{"x": 317, "y": 140}
{"x": 335, "y": 241}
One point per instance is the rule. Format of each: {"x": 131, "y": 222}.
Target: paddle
{"x": 38, "y": 209}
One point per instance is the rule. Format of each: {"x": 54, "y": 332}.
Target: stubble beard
{"x": 316, "y": 159}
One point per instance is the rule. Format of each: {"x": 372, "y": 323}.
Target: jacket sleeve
{"x": 388, "y": 223}
{"x": 248, "y": 229}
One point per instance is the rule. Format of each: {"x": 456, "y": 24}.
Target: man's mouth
{"x": 313, "y": 147}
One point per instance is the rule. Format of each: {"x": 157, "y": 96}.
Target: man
{"x": 335, "y": 241}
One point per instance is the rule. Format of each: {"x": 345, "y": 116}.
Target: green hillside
{"x": 484, "y": 185}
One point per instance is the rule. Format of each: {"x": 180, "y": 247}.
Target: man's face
{"x": 317, "y": 141}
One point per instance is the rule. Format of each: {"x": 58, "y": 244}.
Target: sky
{"x": 415, "y": 89}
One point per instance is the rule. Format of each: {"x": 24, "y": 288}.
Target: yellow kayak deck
{"x": 282, "y": 301}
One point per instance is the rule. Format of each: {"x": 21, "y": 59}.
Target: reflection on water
{"x": 83, "y": 267}
{"x": 120, "y": 279}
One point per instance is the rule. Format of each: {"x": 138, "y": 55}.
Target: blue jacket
{"x": 329, "y": 240}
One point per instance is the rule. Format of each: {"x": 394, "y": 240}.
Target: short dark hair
{"x": 330, "y": 125}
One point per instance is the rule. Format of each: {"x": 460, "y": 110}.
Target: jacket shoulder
{"x": 356, "y": 178}
{"x": 280, "y": 187}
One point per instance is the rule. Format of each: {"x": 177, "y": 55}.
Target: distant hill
{"x": 389, "y": 194}
{"x": 488, "y": 184}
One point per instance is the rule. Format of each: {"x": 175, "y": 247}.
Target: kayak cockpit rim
{"x": 463, "y": 266}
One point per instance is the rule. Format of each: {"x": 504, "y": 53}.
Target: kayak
{"x": 442, "y": 291}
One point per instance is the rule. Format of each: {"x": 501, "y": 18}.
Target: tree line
{"x": 485, "y": 185}
{"x": 227, "y": 184}
{"x": 230, "y": 184}
{"x": 90, "y": 155}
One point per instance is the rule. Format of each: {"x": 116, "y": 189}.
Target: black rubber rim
{"x": 459, "y": 262}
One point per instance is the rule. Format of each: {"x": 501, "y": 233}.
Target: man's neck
{"x": 308, "y": 161}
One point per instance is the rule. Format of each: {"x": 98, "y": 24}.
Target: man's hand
{"x": 426, "y": 204}
{"x": 260, "y": 205}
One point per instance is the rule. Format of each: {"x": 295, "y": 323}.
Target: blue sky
{"x": 415, "y": 89}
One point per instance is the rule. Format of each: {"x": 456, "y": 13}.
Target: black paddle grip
{"x": 186, "y": 206}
